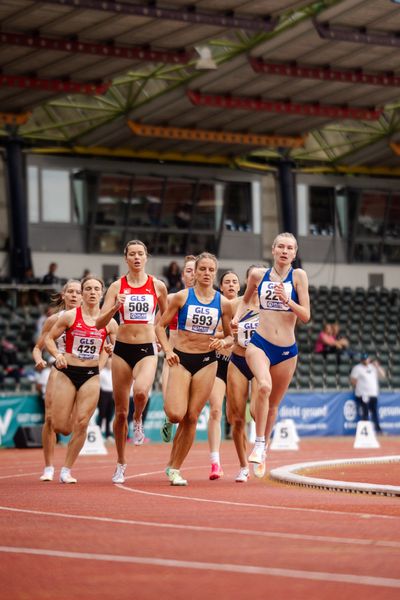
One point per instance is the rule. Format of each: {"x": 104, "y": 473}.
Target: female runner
{"x": 69, "y": 297}
{"x": 136, "y": 296}
{"x": 241, "y": 380}
{"x": 272, "y": 352}
{"x": 192, "y": 361}
{"x": 229, "y": 287}
{"x": 187, "y": 277}
{"x": 77, "y": 380}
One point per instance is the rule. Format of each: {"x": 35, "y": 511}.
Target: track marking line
{"x": 348, "y": 578}
{"x": 246, "y": 504}
{"x": 212, "y": 530}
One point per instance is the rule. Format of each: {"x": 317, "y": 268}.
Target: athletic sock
{"x": 214, "y": 457}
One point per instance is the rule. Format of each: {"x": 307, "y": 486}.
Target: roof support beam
{"x": 187, "y": 15}
{"x": 221, "y": 137}
{"x": 95, "y": 48}
{"x": 356, "y": 35}
{"x": 278, "y": 106}
{"x": 324, "y": 73}
{"x": 54, "y": 85}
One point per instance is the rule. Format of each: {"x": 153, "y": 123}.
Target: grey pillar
{"x": 19, "y": 252}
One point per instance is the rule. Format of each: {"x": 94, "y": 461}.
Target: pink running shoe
{"x": 216, "y": 471}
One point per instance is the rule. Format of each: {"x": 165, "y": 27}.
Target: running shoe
{"x": 175, "y": 477}
{"x": 166, "y": 431}
{"x": 243, "y": 475}
{"x": 119, "y": 474}
{"x": 216, "y": 471}
{"x": 260, "y": 468}
{"x": 66, "y": 477}
{"x": 257, "y": 453}
{"x": 48, "y": 474}
{"x": 138, "y": 433}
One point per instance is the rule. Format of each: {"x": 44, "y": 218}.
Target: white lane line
{"x": 349, "y": 578}
{"x": 249, "y": 504}
{"x": 15, "y": 475}
{"x": 212, "y": 530}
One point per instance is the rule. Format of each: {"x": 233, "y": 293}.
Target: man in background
{"x": 365, "y": 380}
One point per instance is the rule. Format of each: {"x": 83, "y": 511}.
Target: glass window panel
{"x": 321, "y": 210}
{"x": 238, "y": 207}
{"x": 391, "y": 253}
{"x": 56, "y": 196}
{"x": 178, "y": 202}
{"x": 33, "y": 194}
{"x": 113, "y": 198}
{"x": 147, "y": 236}
{"x": 393, "y": 220}
{"x": 80, "y": 200}
{"x": 172, "y": 243}
{"x": 107, "y": 241}
{"x": 145, "y": 207}
{"x": 371, "y": 216}
{"x": 209, "y": 206}
{"x": 367, "y": 252}
{"x": 342, "y": 211}
{"x": 202, "y": 242}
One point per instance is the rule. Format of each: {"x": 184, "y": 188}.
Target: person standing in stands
{"x": 135, "y": 296}
{"x": 77, "y": 381}
{"x": 192, "y": 361}
{"x": 51, "y": 278}
{"x": 70, "y": 297}
{"x": 229, "y": 287}
{"x": 272, "y": 351}
{"x": 364, "y": 378}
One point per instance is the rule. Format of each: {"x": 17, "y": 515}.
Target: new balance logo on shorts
{"x": 90, "y": 372}
{"x": 206, "y": 359}
{"x": 285, "y": 353}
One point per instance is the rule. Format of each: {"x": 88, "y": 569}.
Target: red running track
{"x": 213, "y": 539}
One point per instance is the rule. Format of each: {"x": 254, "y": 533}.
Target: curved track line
{"x": 290, "y": 474}
{"x": 205, "y": 566}
{"x": 213, "y": 530}
{"x": 246, "y": 504}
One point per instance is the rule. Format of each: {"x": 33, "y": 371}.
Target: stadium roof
{"x": 317, "y": 82}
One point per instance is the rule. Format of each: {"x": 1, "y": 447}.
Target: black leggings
{"x": 106, "y": 411}
{"x": 370, "y": 407}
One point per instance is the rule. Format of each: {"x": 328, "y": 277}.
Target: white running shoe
{"x": 138, "y": 433}
{"x": 257, "y": 454}
{"x": 175, "y": 477}
{"x": 259, "y": 469}
{"x": 243, "y": 475}
{"x": 66, "y": 477}
{"x": 119, "y": 474}
{"x": 48, "y": 474}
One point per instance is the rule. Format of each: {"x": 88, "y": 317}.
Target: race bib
{"x": 268, "y": 298}
{"x": 139, "y": 307}
{"x": 202, "y": 319}
{"x": 245, "y": 331}
{"x": 86, "y": 348}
